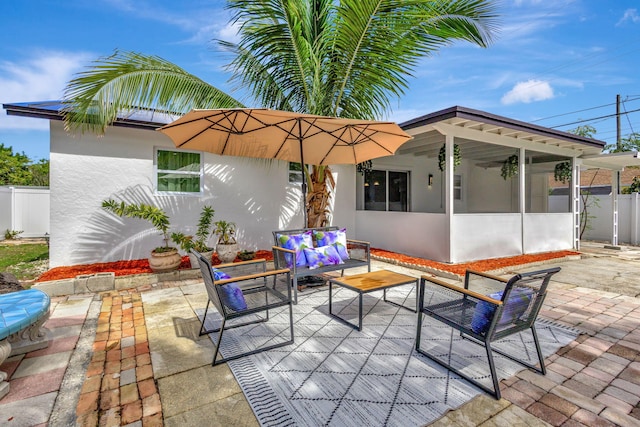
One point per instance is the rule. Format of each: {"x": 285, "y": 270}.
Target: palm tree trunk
{"x": 318, "y": 197}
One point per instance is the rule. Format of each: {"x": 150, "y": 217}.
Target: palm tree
{"x": 348, "y": 58}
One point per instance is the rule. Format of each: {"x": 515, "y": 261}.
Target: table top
{"x": 374, "y": 280}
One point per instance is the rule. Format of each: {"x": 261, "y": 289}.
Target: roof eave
{"x": 23, "y": 110}
{"x": 493, "y": 119}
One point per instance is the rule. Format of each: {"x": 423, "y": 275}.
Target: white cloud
{"x": 231, "y": 32}
{"x": 629, "y": 15}
{"x": 529, "y": 91}
{"x": 41, "y": 77}
{"x": 203, "y": 23}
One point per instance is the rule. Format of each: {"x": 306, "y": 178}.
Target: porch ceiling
{"x": 613, "y": 161}
{"x": 490, "y": 139}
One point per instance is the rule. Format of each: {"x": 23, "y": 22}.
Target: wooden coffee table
{"x": 370, "y": 282}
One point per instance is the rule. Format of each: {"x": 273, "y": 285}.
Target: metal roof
{"x": 53, "y": 110}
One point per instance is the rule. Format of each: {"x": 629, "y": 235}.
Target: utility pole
{"x": 618, "y": 136}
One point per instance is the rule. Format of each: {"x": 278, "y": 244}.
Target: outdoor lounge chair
{"x": 511, "y": 306}
{"x": 244, "y": 289}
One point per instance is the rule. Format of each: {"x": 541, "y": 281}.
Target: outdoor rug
{"x": 334, "y": 375}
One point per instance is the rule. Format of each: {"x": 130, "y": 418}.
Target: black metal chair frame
{"x": 457, "y": 312}
{"x": 250, "y": 284}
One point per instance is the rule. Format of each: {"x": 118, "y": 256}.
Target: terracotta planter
{"x": 162, "y": 262}
{"x": 194, "y": 260}
{"x": 227, "y": 253}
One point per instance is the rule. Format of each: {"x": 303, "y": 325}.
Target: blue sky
{"x": 554, "y": 62}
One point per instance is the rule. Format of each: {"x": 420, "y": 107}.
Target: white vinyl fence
{"x": 24, "y": 209}
{"x": 600, "y": 217}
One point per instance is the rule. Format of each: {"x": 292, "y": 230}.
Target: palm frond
{"x": 378, "y": 44}
{"x": 128, "y": 81}
{"x": 281, "y": 39}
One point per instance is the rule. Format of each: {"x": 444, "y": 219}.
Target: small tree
{"x": 153, "y": 214}
{"x": 14, "y": 167}
{"x": 18, "y": 169}
{"x": 199, "y": 241}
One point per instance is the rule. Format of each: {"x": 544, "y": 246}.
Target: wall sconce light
{"x": 376, "y": 183}
{"x": 430, "y": 181}
{"x": 366, "y": 184}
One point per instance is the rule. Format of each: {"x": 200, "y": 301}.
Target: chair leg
{"x": 259, "y": 350}
{"x": 295, "y": 289}
{"x": 217, "y": 349}
{"x": 542, "y": 369}
{"x": 492, "y": 368}
{"x": 495, "y": 392}
{"x": 204, "y": 318}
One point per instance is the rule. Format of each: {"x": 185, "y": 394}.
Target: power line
{"x": 627, "y": 115}
{"x": 586, "y": 109}
{"x": 594, "y": 118}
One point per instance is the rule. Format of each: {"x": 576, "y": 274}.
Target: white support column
{"x": 448, "y": 191}
{"x": 522, "y": 196}
{"x": 614, "y": 206}
{"x": 575, "y": 202}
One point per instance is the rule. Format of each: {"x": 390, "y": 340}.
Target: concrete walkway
{"x": 134, "y": 357}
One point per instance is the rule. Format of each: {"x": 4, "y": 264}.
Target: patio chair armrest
{"x": 495, "y": 283}
{"x": 487, "y": 275}
{"x": 252, "y": 276}
{"x": 280, "y": 255}
{"x": 358, "y": 242}
{"x": 235, "y": 264}
{"x": 359, "y": 249}
{"x": 460, "y": 290}
{"x": 236, "y": 269}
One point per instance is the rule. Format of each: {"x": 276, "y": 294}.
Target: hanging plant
{"x": 510, "y": 167}
{"x": 364, "y": 167}
{"x": 562, "y": 172}
{"x": 442, "y": 157}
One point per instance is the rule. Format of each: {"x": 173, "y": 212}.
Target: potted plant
{"x": 227, "y": 247}
{"x": 199, "y": 240}
{"x": 163, "y": 258}
{"x": 246, "y": 255}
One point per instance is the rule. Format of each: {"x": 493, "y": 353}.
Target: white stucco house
{"x": 406, "y": 204}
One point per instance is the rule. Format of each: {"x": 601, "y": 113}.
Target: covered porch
{"x": 472, "y": 185}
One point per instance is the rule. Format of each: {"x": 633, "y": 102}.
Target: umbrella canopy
{"x": 283, "y": 135}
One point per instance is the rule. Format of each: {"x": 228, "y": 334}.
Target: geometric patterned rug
{"x": 334, "y": 375}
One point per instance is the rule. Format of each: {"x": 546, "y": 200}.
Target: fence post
{"x": 12, "y": 220}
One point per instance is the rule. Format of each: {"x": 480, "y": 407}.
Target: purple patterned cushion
{"x": 230, "y": 294}
{"x": 321, "y": 256}
{"x": 337, "y": 238}
{"x": 518, "y": 302}
{"x": 296, "y": 242}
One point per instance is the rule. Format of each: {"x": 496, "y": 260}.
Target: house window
{"x": 457, "y": 187}
{"x": 178, "y": 172}
{"x": 386, "y": 191}
{"x": 295, "y": 173}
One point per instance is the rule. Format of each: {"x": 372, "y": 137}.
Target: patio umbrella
{"x": 284, "y": 135}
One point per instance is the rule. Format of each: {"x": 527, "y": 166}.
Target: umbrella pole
{"x": 304, "y": 177}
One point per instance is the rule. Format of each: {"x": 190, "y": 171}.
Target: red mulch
{"x": 140, "y": 266}
{"x": 124, "y": 268}
{"x": 482, "y": 265}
